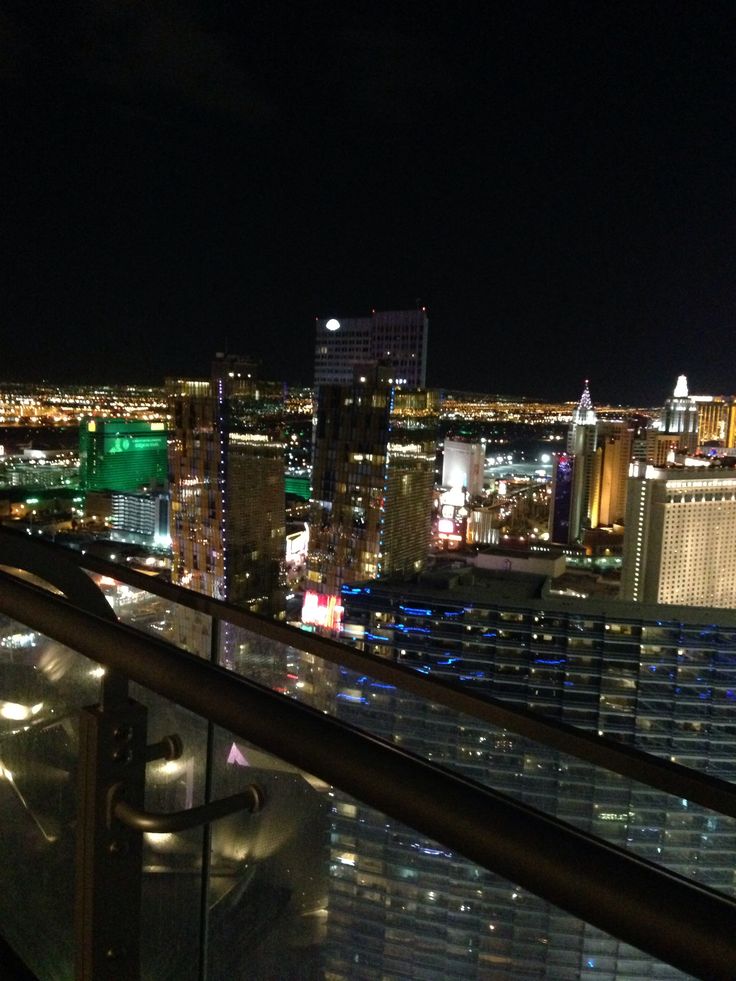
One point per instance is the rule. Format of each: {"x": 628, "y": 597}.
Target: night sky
{"x": 555, "y": 181}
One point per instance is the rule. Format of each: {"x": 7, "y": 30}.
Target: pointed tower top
{"x": 584, "y": 413}
{"x": 680, "y": 391}
{"x": 585, "y": 399}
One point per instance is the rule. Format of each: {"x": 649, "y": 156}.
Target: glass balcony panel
{"x": 269, "y": 871}
{"x": 322, "y": 886}
{"x": 318, "y": 884}
{"x": 588, "y": 796}
{"x": 42, "y": 687}
{"x": 172, "y": 862}
{"x": 175, "y": 623}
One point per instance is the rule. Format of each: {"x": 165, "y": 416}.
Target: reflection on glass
{"x": 42, "y": 687}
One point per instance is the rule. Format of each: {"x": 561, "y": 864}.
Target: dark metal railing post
{"x": 112, "y": 751}
{"x": 204, "y": 909}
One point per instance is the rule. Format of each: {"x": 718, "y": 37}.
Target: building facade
{"x": 373, "y": 474}
{"x": 227, "y": 486}
{"x": 572, "y": 475}
{"x": 122, "y": 455}
{"x": 660, "y": 679}
{"x": 463, "y": 463}
{"x": 680, "y": 417}
{"x": 680, "y": 537}
{"x": 610, "y": 474}
{"x": 141, "y": 519}
{"x": 582, "y": 440}
{"x": 397, "y": 338}
{"x": 675, "y": 433}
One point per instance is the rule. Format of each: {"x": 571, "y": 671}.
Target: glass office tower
{"x": 373, "y": 473}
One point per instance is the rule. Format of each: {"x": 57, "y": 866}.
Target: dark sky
{"x": 554, "y": 180}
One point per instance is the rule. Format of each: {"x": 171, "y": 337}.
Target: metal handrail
{"x": 662, "y": 913}
{"x": 661, "y": 774}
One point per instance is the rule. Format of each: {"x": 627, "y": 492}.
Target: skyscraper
{"x": 680, "y": 543}
{"x": 122, "y": 455}
{"x": 676, "y": 430}
{"x": 397, "y": 338}
{"x": 373, "y": 474}
{"x": 582, "y": 439}
{"x": 680, "y": 416}
{"x": 560, "y": 498}
{"x": 572, "y": 475}
{"x": 227, "y": 486}
{"x": 610, "y": 473}
{"x": 715, "y": 419}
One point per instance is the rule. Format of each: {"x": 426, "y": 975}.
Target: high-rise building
{"x": 680, "y": 416}
{"x": 463, "y": 462}
{"x": 609, "y": 477}
{"x": 373, "y": 474}
{"x": 397, "y": 338}
{"x": 140, "y": 518}
{"x": 716, "y": 419}
{"x": 560, "y": 498}
{"x": 680, "y": 543}
{"x": 589, "y": 480}
{"x": 122, "y": 455}
{"x": 227, "y": 486}
{"x": 675, "y": 433}
{"x": 582, "y": 439}
{"x": 660, "y": 679}
{"x": 572, "y": 475}
{"x": 713, "y": 418}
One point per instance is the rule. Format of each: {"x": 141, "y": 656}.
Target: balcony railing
{"x": 223, "y": 812}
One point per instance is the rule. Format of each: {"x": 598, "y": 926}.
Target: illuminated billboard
{"x": 322, "y": 610}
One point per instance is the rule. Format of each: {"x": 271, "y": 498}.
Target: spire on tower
{"x": 584, "y": 413}
{"x": 585, "y": 400}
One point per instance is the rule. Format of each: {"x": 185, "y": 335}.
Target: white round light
{"x": 14, "y": 711}
{"x": 333, "y": 324}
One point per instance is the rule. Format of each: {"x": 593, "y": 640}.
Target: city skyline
{"x": 554, "y": 184}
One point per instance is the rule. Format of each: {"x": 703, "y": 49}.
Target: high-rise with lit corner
{"x": 226, "y": 458}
